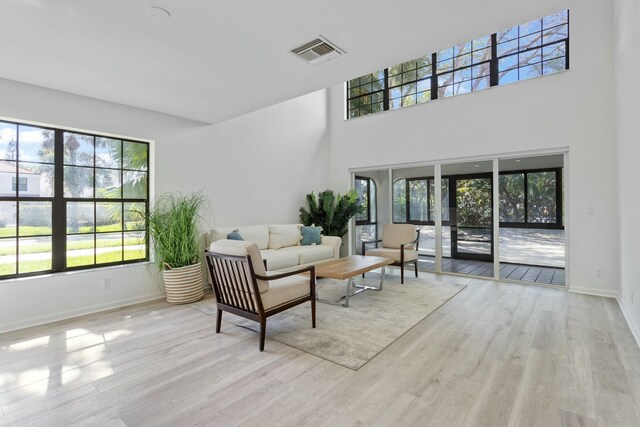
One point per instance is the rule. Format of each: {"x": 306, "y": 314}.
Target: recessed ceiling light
{"x": 517, "y": 160}
{"x": 158, "y": 13}
{"x": 477, "y": 166}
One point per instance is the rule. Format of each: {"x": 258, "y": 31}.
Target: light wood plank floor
{"x": 495, "y": 355}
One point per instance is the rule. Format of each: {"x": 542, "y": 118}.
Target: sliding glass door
{"x": 468, "y": 229}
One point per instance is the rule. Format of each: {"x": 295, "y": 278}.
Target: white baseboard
{"x": 594, "y": 291}
{"x": 634, "y": 329}
{"x": 56, "y": 317}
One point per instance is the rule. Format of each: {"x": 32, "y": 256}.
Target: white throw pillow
{"x": 281, "y": 236}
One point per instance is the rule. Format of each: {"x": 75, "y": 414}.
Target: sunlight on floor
{"x": 29, "y": 344}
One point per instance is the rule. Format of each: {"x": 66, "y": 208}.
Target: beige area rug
{"x": 351, "y": 336}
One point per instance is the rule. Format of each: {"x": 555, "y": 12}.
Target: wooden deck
{"x": 508, "y": 271}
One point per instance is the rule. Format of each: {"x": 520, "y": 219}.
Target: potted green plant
{"x": 331, "y": 212}
{"x": 173, "y": 226}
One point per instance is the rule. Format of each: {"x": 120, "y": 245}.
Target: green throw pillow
{"x": 310, "y": 235}
{"x": 234, "y": 235}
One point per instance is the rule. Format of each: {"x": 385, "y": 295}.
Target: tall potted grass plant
{"x": 173, "y": 226}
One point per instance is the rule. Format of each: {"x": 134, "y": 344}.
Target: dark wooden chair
{"x": 242, "y": 287}
{"x": 399, "y": 244}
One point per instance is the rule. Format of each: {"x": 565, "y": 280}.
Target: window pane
{"x": 481, "y": 55}
{"x": 40, "y": 179}
{"x": 78, "y": 149}
{"x": 108, "y": 216}
{"x": 554, "y": 66}
{"x": 34, "y": 254}
{"x": 555, "y": 19}
{"x": 8, "y": 250}
{"x": 108, "y": 152}
{"x": 108, "y": 184}
{"x": 531, "y": 40}
{"x": 508, "y": 34}
{"x": 134, "y": 246}
{"x": 35, "y": 144}
{"x": 34, "y": 219}
{"x": 418, "y": 201}
{"x": 134, "y": 214}
{"x": 507, "y": 47}
{"x": 78, "y": 182}
{"x": 530, "y": 57}
{"x": 8, "y": 213}
{"x": 108, "y": 248}
{"x": 512, "y": 198}
{"x": 8, "y": 145}
{"x": 557, "y": 33}
{"x": 530, "y": 72}
{"x": 554, "y": 51}
{"x": 541, "y": 207}
{"x": 445, "y": 199}
{"x": 80, "y": 250}
{"x": 8, "y": 170}
{"x": 482, "y": 42}
{"x": 134, "y": 155}
{"x": 531, "y": 27}
{"x": 135, "y": 184}
{"x": 362, "y": 189}
{"x": 423, "y": 96}
{"x": 80, "y": 217}
{"x": 399, "y": 201}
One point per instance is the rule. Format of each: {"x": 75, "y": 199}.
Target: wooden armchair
{"x": 399, "y": 244}
{"x": 242, "y": 287}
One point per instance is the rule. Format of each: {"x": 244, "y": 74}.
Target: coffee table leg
{"x": 381, "y": 278}
{"x": 348, "y": 294}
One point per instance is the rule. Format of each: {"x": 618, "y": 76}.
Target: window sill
{"x": 67, "y": 273}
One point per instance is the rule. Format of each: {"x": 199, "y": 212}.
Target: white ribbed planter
{"x": 184, "y": 284}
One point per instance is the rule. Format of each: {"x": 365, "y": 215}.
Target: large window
{"x": 531, "y": 199}
{"x": 537, "y": 48}
{"x": 533, "y": 49}
{"x": 414, "y": 200}
{"x": 70, "y": 200}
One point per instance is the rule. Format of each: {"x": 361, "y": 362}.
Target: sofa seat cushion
{"x": 309, "y": 254}
{"x": 394, "y": 254}
{"x": 284, "y": 290}
{"x": 278, "y": 259}
{"x": 259, "y": 234}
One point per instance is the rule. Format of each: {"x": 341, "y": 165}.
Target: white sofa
{"x": 280, "y": 247}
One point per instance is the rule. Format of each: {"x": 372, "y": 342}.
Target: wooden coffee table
{"x": 349, "y": 267}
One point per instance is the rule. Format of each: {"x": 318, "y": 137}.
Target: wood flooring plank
{"x": 496, "y": 354}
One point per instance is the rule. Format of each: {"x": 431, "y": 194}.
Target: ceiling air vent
{"x": 317, "y": 51}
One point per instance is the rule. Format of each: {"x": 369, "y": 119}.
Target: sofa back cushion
{"x": 283, "y": 235}
{"x": 243, "y": 248}
{"x": 259, "y": 234}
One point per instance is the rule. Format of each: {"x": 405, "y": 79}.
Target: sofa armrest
{"x": 333, "y": 241}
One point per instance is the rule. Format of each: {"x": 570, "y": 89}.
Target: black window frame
{"x": 59, "y": 205}
{"x": 353, "y": 94}
{"x": 368, "y": 214}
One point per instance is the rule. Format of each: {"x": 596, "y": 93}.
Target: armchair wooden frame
{"x": 237, "y": 292}
{"x": 402, "y": 262}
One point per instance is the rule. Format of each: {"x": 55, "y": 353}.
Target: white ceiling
{"x": 214, "y": 60}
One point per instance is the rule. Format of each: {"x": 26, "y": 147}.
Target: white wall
{"x": 253, "y": 169}
{"x": 571, "y": 109}
{"x": 627, "y": 55}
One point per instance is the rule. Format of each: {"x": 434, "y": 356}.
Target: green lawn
{"x": 26, "y": 230}
{"x": 73, "y": 245}
{"x": 72, "y": 261}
